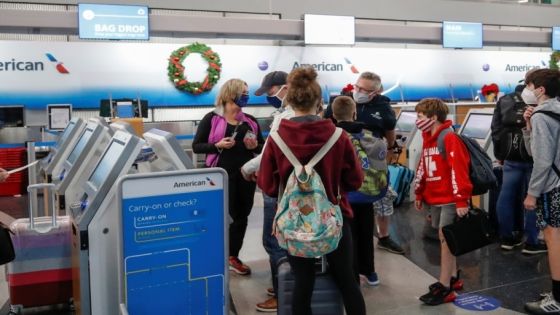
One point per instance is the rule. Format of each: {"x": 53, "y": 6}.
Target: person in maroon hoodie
{"x": 443, "y": 185}
{"x": 340, "y": 172}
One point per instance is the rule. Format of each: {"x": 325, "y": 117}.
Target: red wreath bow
{"x": 489, "y": 89}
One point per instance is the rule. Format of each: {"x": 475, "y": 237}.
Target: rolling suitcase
{"x": 400, "y": 178}
{"x": 41, "y": 273}
{"x": 326, "y": 296}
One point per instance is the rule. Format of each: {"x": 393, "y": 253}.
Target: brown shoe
{"x": 270, "y": 305}
{"x": 270, "y": 292}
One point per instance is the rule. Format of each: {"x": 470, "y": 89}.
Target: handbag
{"x": 468, "y": 233}
{"x": 7, "y": 252}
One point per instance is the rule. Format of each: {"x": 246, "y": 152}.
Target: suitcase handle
{"x": 50, "y": 188}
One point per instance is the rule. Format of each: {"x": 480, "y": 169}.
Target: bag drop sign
{"x": 113, "y": 22}
{"x": 475, "y": 302}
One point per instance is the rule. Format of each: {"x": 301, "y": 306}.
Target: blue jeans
{"x": 514, "y": 189}
{"x": 270, "y": 243}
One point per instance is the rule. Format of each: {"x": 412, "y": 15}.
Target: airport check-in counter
{"x": 80, "y": 162}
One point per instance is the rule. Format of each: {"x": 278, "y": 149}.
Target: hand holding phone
{"x": 250, "y": 140}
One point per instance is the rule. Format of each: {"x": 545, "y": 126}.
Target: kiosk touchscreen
{"x": 406, "y": 125}
{"x": 62, "y": 147}
{"x": 477, "y": 126}
{"x": 170, "y": 156}
{"x": 81, "y": 160}
{"x": 94, "y": 228}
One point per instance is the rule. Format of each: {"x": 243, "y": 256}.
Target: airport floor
{"x": 509, "y": 277}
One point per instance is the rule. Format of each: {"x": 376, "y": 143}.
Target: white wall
{"x": 414, "y": 10}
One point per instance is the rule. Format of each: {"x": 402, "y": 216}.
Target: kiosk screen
{"x": 79, "y": 147}
{"x": 477, "y": 126}
{"x": 106, "y": 163}
{"x": 406, "y": 121}
{"x": 65, "y": 133}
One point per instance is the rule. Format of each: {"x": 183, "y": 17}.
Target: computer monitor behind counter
{"x": 130, "y": 108}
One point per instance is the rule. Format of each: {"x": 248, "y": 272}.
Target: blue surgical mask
{"x": 242, "y": 100}
{"x": 275, "y": 100}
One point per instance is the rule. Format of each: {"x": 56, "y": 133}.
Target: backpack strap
{"x": 556, "y": 117}
{"x": 314, "y": 160}
{"x": 324, "y": 150}
{"x": 440, "y": 143}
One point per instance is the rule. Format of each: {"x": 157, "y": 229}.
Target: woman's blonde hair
{"x": 304, "y": 92}
{"x": 229, "y": 91}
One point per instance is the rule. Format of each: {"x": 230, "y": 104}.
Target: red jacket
{"x": 443, "y": 180}
{"x": 338, "y": 168}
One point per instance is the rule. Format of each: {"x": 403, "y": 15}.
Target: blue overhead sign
{"x": 462, "y": 35}
{"x": 100, "y": 21}
{"x": 556, "y": 38}
{"x": 174, "y": 242}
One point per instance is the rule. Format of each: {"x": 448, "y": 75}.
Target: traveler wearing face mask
{"x": 543, "y": 195}
{"x": 230, "y": 138}
{"x": 509, "y": 148}
{"x": 374, "y": 110}
{"x": 442, "y": 185}
{"x": 274, "y": 85}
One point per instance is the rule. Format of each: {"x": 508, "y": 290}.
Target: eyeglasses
{"x": 361, "y": 89}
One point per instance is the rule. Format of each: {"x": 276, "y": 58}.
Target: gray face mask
{"x": 361, "y": 98}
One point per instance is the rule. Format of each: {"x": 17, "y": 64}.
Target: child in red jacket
{"x": 442, "y": 184}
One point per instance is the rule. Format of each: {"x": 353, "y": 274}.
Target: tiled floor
{"x": 508, "y": 276}
{"x": 402, "y": 281}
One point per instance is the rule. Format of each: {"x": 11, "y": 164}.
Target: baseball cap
{"x": 270, "y": 80}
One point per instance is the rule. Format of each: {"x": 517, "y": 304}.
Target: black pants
{"x": 340, "y": 266}
{"x": 241, "y": 194}
{"x": 363, "y": 225}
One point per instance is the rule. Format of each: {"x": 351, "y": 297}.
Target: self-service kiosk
{"x": 94, "y": 229}
{"x": 80, "y": 162}
{"x": 409, "y": 136}
{"x": 60, "y": 151}
{"x": 121, "y": 125}
{"x": 169, "y": 155}
{"x": 477, "y": 126}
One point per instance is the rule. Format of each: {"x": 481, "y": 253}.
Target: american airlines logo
{"x": 16, "y": 65}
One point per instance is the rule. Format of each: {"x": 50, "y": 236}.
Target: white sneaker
{"x": 547, "y": 306}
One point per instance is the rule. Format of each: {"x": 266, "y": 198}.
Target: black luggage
{"x": 326, "y": 296}
{"x": 468, "y": 233}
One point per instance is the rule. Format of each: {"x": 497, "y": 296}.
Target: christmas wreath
{"x": 554, "y": 60}
{"x": 176, "y": 70}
